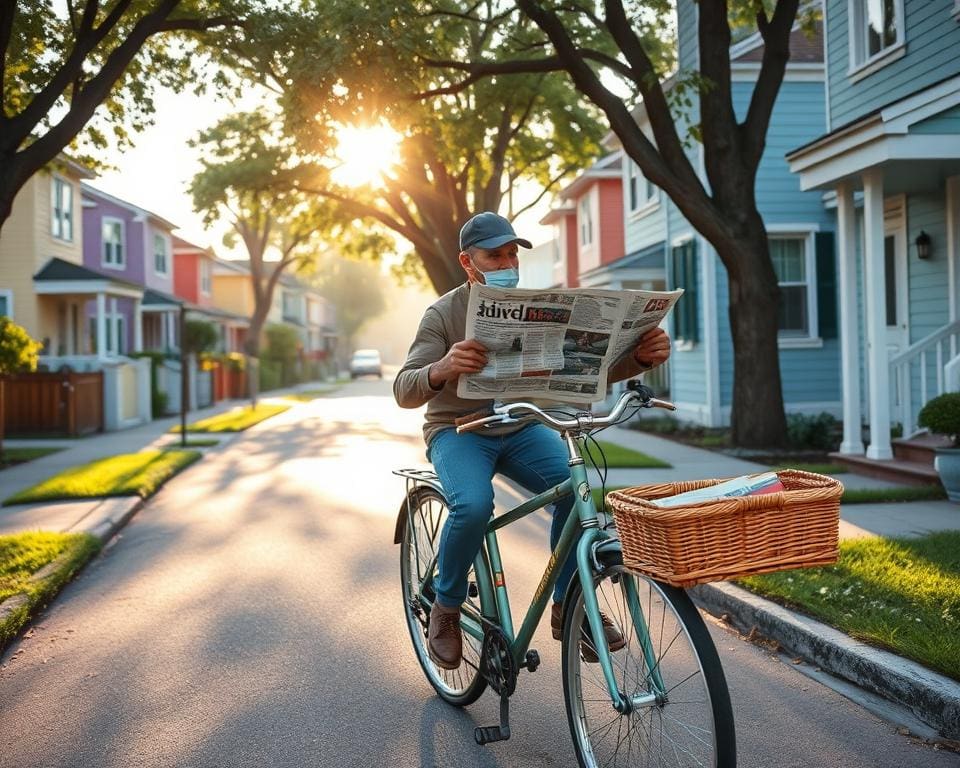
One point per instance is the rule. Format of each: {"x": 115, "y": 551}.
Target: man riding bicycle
{"x": 530, "y": 454}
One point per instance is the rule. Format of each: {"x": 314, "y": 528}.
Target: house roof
{"x": 158, "y": 298}
{"x": 91, "y": 191}
{"x": 803, "y": 49}
{"x": 651, "y": 257}
{"x": 179, "y": 244}
{"x": 60, "y": 270}
{"x": 607, "y": 167}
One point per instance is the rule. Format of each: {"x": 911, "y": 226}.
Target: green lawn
{"x": 129, "y": 474}
{"x": 22, "y": 555}
{"x": 820, "y": 469}
{"x": 14, "y": 456}
{"x": 619, "y": 457}
{"x": 236, "y": 420}
{"x": 897, "y": 493}
{"x": 900, "y": 594}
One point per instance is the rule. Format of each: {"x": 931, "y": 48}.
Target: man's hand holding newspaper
{"x": 559, "y": 344}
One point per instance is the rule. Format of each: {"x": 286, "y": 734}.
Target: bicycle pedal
{"x": 532, "y": 660}
{"x": 491, "y": 733}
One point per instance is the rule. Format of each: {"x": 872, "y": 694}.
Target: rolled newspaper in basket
{"x": 732, "y": 536}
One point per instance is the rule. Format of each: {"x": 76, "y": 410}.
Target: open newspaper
{"x": 556, "y": 344}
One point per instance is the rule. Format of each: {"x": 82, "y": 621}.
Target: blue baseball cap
{"x": 488, "y": 230}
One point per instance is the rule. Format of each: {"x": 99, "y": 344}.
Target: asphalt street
{"x": 250, "y": 615}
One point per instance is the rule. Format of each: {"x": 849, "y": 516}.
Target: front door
{"x": 896, "y": 283}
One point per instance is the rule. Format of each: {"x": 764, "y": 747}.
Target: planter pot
{"x": 947, "y": 463}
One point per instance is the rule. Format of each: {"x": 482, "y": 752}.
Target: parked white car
{"x": 366, "y": 362}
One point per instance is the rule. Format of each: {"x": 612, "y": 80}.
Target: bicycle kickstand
{"x": 491, "y": 733}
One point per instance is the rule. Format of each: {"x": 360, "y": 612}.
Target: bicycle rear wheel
{"x": 690, "y": 720}
{"x": 427, "y": 513}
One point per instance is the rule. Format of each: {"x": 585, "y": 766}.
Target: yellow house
{"x": 43, "y": 283}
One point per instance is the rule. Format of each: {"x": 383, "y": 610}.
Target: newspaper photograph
{"x": 556, "y": 344}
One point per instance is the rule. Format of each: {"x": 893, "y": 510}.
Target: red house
{"x": 589, "y": 221}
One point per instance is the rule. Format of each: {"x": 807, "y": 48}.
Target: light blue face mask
{"x": 501, "y": 278}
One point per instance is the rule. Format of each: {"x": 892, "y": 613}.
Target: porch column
{"x": 171, "y": 330}
{"x": 875, "y": 294}
{"x": 849, "y": 360}
{"x": 101, "y": 326}
{"x": 114, "y": 329}
{"x": 137, "y": 325}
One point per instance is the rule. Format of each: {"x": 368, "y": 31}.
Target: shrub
{"x": 271, "y": 374}
{"x": 200, "y": 336}
{"x": 283, "y": 342}
{"x": 18, "y": 352}
{"x": 942, "y": 416}
{"x": 812, "y": 432}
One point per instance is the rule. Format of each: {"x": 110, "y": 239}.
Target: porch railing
{"x": 922, "y": 371}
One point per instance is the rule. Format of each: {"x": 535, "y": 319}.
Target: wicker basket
{"x": 730, "y": 537}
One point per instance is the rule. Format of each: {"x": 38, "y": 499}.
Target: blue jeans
{"x": 535, "y": 457}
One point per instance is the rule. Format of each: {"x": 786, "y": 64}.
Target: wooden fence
{"x": 53, "y": 403}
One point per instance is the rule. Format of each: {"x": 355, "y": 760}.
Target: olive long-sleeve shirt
{"x": 443, "y": 325}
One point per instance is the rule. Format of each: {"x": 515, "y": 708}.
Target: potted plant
{"x": 942, "y": 417}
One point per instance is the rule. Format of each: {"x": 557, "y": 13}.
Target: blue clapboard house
{"x": 887, "y": 160}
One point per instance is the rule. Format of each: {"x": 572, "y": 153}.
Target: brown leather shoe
{"x": 615, "y": 639}
{"x": 444, "y": 641}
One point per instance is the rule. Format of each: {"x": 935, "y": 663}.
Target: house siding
{"x": 610, "y": 220}
{"x": 932, "y": 37}
{"x": 133, "y": 269}
{"x": 947, "y": 122}
{"x": 186, "y": 276}
{"x": 808, "y": 375}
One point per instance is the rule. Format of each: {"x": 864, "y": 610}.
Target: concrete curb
{"x": 933, "y": 698}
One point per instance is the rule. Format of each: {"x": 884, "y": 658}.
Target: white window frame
{"x": 806, "y": 233}
{"x": 158, "y": 236}
{"x": 206, "y": 277}
{"x": 862, "y": 64}
{"x": 585, "y": 220}
{"x": 59, "y": 219}
{"x": 122, "y": 262}
{"x": 7, "y": 293}
{"x": 638, "y": 204}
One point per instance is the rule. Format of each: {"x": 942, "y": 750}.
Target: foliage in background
{"x": 18, "y": 351}
{"x": 200, "y": 336}
{"x": 355, "y": 290}
{"x": 338, "y": 63}
{"x": 820, "y": 432}
{"x": 89, "y": 70}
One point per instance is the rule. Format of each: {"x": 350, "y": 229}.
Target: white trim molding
{"x": 84, "y": 287}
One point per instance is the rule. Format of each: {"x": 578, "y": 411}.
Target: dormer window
{"x": 641, "y": 192}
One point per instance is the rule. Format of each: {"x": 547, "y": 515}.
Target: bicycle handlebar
{"x": 512, "y": 413}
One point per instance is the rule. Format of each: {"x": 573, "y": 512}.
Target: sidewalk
{"x": 933, "y": 698}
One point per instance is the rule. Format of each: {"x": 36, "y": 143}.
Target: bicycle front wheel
{"x": 427, "y": 512}
{"x": 668, "y": 668}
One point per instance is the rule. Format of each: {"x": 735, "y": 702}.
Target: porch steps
{"x": 912, "y": 462}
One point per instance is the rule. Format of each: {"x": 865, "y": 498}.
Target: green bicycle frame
{"x": 580, "y": 532}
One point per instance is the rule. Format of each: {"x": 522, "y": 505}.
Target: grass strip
{"x": 236, "y": 420}
{"x": 34, "y": 566}
{"x": 619, "y": 457}
{"x": 899, "y": 594}
{"x": 12, "y": 456}
{"x": 193, "y": 442}
{"x": 897, "y": 493}
{"x": 820, "y": 469}
{"x": 128, "y": 474}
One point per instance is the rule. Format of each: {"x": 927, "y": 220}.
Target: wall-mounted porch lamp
{"x": 923, "y": 245}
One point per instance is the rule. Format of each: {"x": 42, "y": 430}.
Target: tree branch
{"x": 7, "y": 13}
{"x": 776, "y": 54}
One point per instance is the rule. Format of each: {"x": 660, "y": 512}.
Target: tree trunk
{"x": 252, "y": 348}
{"x": 757, "y": 416}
